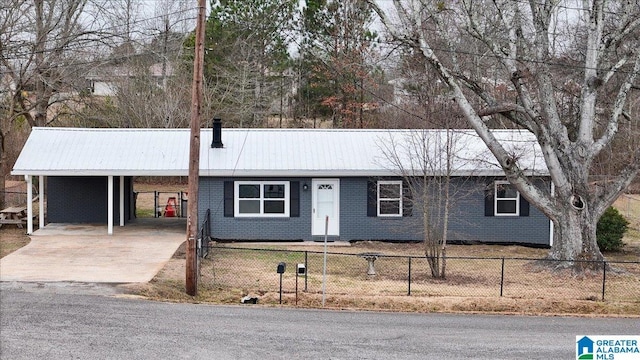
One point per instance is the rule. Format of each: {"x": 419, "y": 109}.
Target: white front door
{"x": 326, "y": 203}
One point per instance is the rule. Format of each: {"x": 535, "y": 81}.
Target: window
{"x": 261, "y": 199}
{"x": 506, "y": 199}
{"x": 389, "y": 201}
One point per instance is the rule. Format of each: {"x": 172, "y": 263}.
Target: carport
{"x": 86, "y": 175}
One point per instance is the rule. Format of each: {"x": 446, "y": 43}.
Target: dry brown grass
{"x": 12, "y": 239}
{"x": 471, "y": 285}
{"x": 629, "y": 207}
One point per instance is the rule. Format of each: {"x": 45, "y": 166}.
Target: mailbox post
{"x": 280, "y": 270}
{"x": 301, "y": 271}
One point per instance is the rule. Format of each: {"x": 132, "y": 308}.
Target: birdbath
{"x": 371, "y": 258}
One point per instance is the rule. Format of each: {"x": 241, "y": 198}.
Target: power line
{"x": 82, "y": 46}
{"x": 98, "y": 41}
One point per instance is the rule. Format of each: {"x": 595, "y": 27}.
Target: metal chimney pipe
{"x": 217, "y": 133}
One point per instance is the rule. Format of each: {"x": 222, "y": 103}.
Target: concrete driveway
{"x": 85, "y": 253}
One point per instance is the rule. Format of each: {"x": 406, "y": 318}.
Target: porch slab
{"x": 85, "y": 253}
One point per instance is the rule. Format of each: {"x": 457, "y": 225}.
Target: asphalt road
{"x": 47, "y": 323}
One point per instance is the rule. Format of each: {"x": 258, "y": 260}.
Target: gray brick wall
{"x": 467, "y": 220}
{"x": 83, "y": 199}
{"x": 211, "y": 196}
{"x": 355, "y": 225}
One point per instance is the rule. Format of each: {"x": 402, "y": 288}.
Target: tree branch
{"x": 618, "y": 107}
{"x": 621, "y": 182}
{"x": 499, "y": 109}
{"x": 630, "y": 22}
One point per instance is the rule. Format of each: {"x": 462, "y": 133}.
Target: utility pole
{"x": 194, "y": 155}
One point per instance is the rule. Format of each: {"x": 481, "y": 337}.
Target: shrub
{"x": 610, "y": 230}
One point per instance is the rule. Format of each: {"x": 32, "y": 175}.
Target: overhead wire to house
{"x": 15, "y": 50}
{"x": 88, "y": 44}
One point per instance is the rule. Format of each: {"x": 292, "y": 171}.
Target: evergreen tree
{"x": 247, "y": 44}
{"x": 337, "y": 50}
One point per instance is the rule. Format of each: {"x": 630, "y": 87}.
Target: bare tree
{"x": 427, "y": 161}
{"x": 44, "y": 46}
{"x": 48, "y": 44}
{"x": 172, "y": 22}
{"x": 512, "y": 41}
{"x": 141, "y": 97}
{"x": 144, "y": 81}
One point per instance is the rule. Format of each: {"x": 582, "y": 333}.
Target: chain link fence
{"x": 14, "y": 198}
{"x": 367, "y": 274}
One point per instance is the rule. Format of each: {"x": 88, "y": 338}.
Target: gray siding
{"x": 73, "y": 199}
{"x": 467, "y": 220}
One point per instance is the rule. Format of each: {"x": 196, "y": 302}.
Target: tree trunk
{"x": 574, "y": 238}
{"x": 3, "y": 165}
{"x": 570, "y": 142}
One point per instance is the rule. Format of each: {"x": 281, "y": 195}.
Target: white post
{"x": 324, "y": 265}
{"x": 110, "y": 204}
{"x": 121, "y": 201}
{"x": 553, "y": 194}
{"x": 29, "y": 204}
{"x": 41, "y": 202}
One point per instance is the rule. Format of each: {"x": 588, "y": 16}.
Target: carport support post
{"x": 121, "y": 210}
{"x": 41, "y": 202}
{"x": 30, "y": 204}
{"x": 110, "y": 204}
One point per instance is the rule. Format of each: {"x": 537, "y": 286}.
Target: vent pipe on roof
{"x": 217, "y": 133}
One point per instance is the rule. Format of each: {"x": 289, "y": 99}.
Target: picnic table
{"x": 16, "y": 215}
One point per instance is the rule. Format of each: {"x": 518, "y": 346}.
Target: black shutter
{"x": 488, "y": 199}
{"x": 294, "y": 198}
{"x": 228, "y": 199}
{"x": 372, "y": 198}
{"x": 407, "y": 200}
{"x": 524, "y": 206}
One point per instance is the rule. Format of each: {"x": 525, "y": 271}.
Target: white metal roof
{"x": 265, "y": 152}
{"x": 78, "y": 151}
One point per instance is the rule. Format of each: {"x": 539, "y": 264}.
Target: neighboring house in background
{"x": 281, "y": 184}
{"x": 104, "y": 80}
{"x": 284, "y": 93}
{"x": 401, "y": 96}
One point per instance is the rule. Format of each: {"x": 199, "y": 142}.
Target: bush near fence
{"x": 254, "y": 271}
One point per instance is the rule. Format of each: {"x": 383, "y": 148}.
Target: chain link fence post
{"x": 502, "y": 277}
{"x": 409, "y": 278}
{"x": 604, "y": 277}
